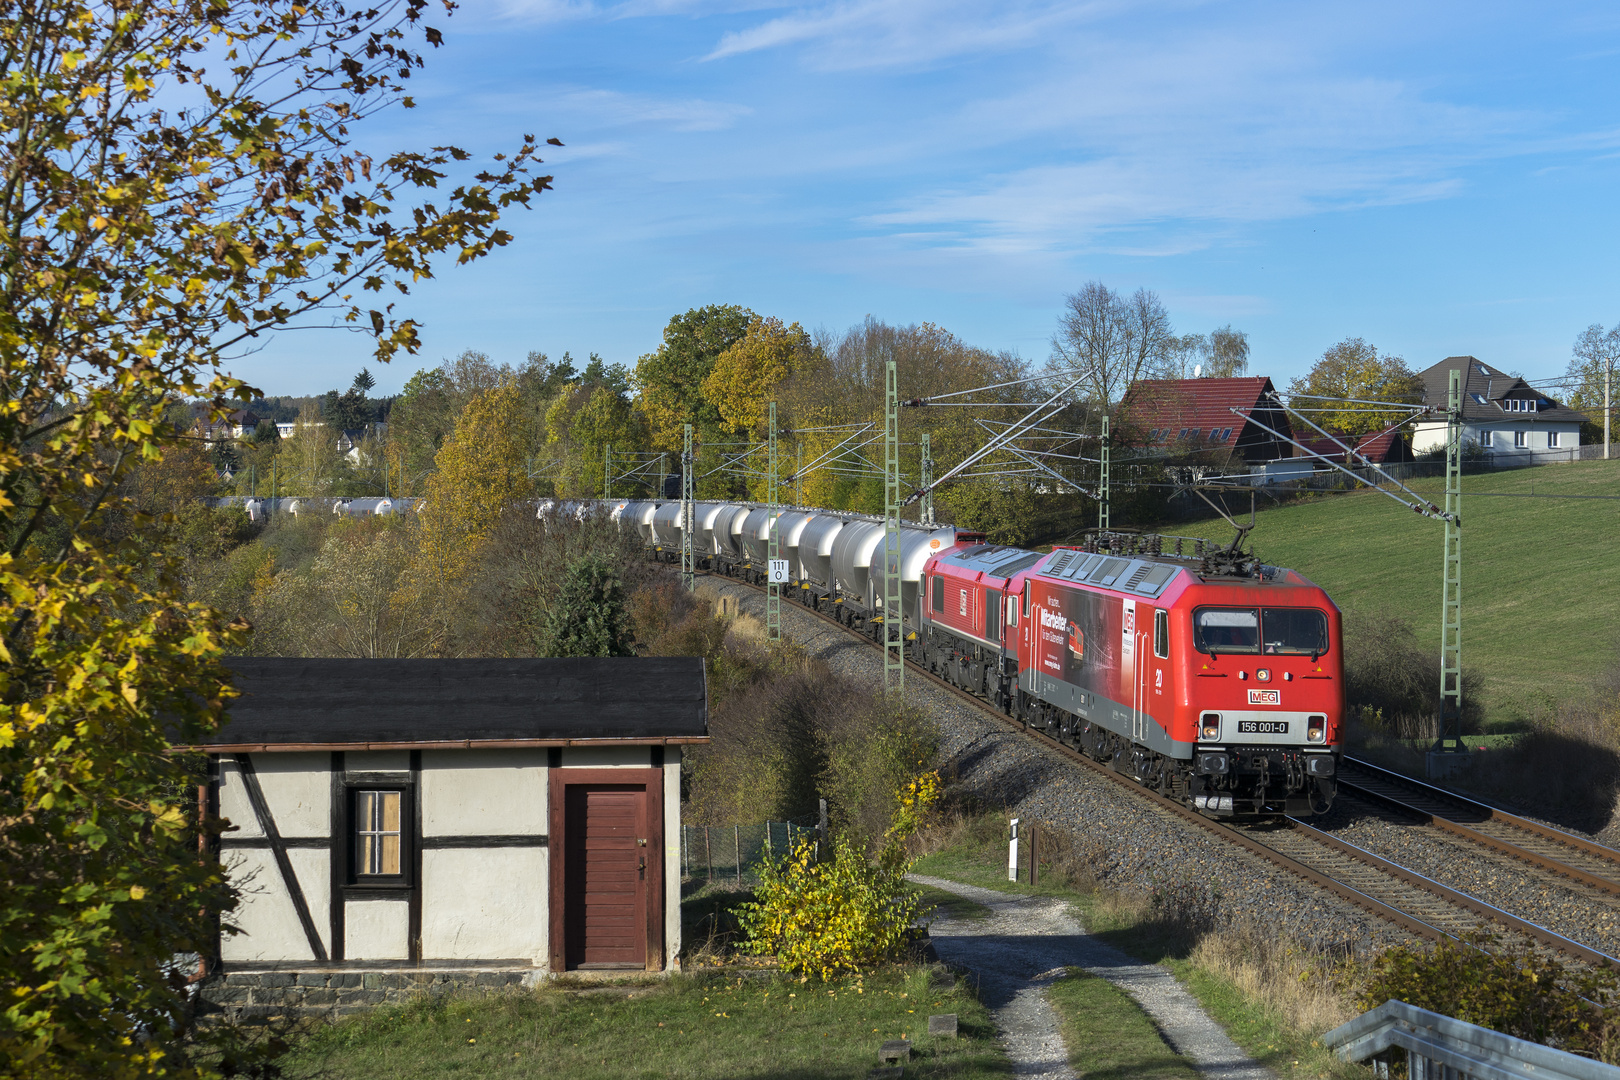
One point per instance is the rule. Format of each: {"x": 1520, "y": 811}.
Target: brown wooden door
{"x": 605, "y": 888}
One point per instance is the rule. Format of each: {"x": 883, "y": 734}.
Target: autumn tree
{"x": 180, "y": 182}
{"x": 480, "y": 471}
{"x": 669, "y": 382}
{"x": 1352, "y": 371}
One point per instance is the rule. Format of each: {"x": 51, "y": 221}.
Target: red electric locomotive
{"x": 1210, "y": 677}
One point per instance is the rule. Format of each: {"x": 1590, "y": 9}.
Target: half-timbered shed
{"x": 398, "y": 825}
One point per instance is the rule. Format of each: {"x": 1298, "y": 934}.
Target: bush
{"x": 1394, "y": 683}
{"x": 588, "y": 617}
{"x": 1512, "y": 990}
{"x": 846, "y": 914}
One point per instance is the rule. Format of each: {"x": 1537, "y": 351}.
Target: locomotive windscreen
{"x": 1227, "y": 629}
{"x": 1293, "y": 630}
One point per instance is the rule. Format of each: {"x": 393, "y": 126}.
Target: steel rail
{"x": 1490, "y": 813}
{"x": 1355, "y": 897}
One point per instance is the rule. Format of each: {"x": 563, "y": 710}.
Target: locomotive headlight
{"x": 1315, "y": 728}
{"x": 1264, "y": 674}
{"x": 1209, "y": 726}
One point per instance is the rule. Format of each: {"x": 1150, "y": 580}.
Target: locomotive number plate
{"x": 1262, "y": 727}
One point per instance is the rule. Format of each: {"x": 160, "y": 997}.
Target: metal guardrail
{"x": 1443, "y": 1048}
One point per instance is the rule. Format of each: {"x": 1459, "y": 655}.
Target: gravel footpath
{"x": 1137, "y": 846}
{"x": 1027, "y": 942}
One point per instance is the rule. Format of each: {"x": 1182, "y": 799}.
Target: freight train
{"x": 1207, "y": 676}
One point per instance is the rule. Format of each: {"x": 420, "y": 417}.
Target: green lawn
{"x": 689, "y": 1026}
{"x": 1107, "y": 1034}
{"x": 1541, "y": 579}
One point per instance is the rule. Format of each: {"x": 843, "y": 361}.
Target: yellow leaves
{"x": 746, "y": 375}
{"x": 71, "y": 60}
{"x": 137, "y": 892}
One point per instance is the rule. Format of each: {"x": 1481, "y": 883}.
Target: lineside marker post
{"x": 1450, "y": 740}
{"x": 894, "y": 637}
{"x": 1104, "y": 519}
{"x": 688, "y": 575}
{"x": 773, "y": 551}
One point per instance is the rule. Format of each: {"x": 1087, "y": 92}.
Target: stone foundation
{"x": 260, "y": 996}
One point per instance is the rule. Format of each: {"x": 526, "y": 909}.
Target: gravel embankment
{"x": 1574, "y": 911}
{"x": 1138, "y": 845}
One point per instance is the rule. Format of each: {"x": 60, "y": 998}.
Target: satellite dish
{"x": 1198, "y": 371}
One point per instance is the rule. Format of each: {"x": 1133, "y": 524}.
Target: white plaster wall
{"x": 298, "y": 790}
{"x": 607, "y": 757}
{"x": 1429, "y": 436}
{"x": 485, "y": 904}
{"x": 266, "y": 916}
{"x": 376, "y": 929}
{"x": 377, "y": 761}
{"x": 233, "y": 801}
{"x": 672, "y": 857}
{"x": 484, "y": 793}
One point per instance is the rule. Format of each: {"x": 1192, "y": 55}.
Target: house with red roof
{"x": 1387, "y": 447}
{"x": 1223, "y": 418}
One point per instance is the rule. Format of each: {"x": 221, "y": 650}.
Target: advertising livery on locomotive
{"x": 1211, "y": 678}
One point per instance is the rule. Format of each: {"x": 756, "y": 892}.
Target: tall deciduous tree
{"x": 1113, "y": 339}
{"x": 480, "y": 472}
{"x": 1591, "y": 372}
{"x": 179, "y": 180}
{"x": 1353, "y": 371}
{"x": 669, "y": 382}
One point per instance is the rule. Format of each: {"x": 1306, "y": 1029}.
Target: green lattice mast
{"x": 925, "y": 468}
{"x": 773, "y": 588}
{"x": 688, "y": 569}
{"x": 1451, "y": 580}
{"x": 1104, "y": 522}
{"x": 894, "y": 638}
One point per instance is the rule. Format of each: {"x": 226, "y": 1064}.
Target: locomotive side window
{"x": 1161, "y": 634}
{"x": 1293, "y": 630}
{"x": 1227, "y": 630}
{"x": 992, "y": 615}
{"x": 939, "y": 593}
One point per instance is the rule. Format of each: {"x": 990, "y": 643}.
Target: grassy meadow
{"x": 1541, "y": 577}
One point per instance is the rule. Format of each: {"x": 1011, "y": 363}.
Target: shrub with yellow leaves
{"x": 844, "y": 914}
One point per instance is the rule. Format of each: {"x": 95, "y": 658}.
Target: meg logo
{"x": 1265, "y": 697}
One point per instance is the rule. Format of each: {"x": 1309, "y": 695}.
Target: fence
{"x": 1442, "y": 1048}
{"x": 732, "y": 854}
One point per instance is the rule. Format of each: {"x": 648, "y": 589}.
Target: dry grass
{"x": 1299, "y": 985}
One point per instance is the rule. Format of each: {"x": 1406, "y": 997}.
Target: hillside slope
{"x": 1541, "y": 576}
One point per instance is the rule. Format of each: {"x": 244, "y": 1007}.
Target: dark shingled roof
{"x": 1483, "y": 386}
{"x": 311, "y": 702}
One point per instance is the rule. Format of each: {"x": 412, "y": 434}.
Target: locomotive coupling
{"x": 1213, "y": 765}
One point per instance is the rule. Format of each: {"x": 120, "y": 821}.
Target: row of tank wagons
{"x": 262, "y": 508}
{"x": 830, "y": 556}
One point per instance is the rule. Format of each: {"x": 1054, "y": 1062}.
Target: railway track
{"x": 1373, "y": 884}
{"x": 1579, "y": 861}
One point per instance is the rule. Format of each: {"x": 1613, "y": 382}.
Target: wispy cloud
{"x": 611, "y": 108}
{"x": 905, "y": 33}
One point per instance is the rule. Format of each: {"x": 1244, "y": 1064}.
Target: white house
{"x": 1502, "y": 414}
{"x": 406, "y": 825}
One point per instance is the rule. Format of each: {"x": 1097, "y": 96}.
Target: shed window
{"x": 1161, "y": 634}
{"x": 939, "y": 593}
{"x": 377, "y": 836}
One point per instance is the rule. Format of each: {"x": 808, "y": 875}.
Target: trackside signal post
{"x": 894, "y": 635}
{"x": 1450, "y": 740}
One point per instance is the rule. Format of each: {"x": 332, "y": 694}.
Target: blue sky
{"x": 1437, "y": 178}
